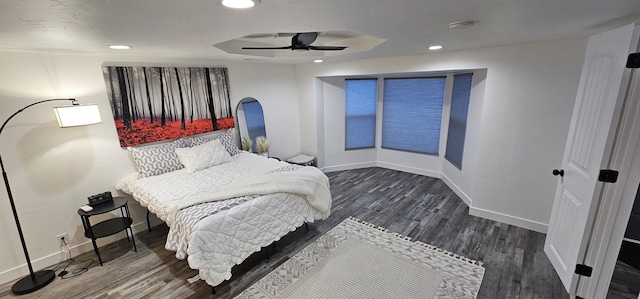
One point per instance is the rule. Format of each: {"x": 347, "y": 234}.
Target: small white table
{"x": 302, "y": 159}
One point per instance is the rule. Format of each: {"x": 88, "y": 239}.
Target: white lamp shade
{"x": 78, "y": 115}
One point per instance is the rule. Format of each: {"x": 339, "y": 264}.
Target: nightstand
{"x": 303, "y": 160}
{"x": 110, "y": 226}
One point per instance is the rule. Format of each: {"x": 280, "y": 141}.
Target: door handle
{"x": 557, "y": 172}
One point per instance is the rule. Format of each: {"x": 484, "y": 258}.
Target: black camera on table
{"x": 99, "y": 198}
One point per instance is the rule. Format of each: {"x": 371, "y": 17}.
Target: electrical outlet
{"x": 64, "y": 246}
{"x": 63, "y": 236}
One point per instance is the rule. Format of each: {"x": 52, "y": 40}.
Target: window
{"x": 360, "y": 113}
{"x": 458, "y": 118}
{"x": 412, "y": 114}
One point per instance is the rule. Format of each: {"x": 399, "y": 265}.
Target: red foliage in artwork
{"x": 225, "y": 123}
{"x": 143, "y": 131}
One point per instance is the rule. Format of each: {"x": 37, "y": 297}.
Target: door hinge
{"x": 608, "y": 176}
{"x": 583, "y": 270}
{"x": 633, "y": 61}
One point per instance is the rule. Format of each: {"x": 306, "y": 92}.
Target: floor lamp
{"x": 68, "y": 116}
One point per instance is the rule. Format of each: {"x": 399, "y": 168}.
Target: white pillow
{"x": 227, "y": 139}
{"x": 203, "y": 156}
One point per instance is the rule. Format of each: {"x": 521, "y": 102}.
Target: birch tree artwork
{"x": 157, "y": 103}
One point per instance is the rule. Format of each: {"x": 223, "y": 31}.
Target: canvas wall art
{"x": 151, "y": 104}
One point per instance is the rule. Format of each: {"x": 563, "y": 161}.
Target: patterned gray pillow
{"x": 227, "y": 139}
{"x": 157, "y": 159}
{"x": 200, "y": 140}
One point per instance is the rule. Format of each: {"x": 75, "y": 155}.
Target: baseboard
{"x": 504, "y": 218}
{"x": 57, "y": 257}
{"x": 409, "y": 169}
{"x": 381, "y": 165}
{"x": 348, "y": 166}
{"x": 456, "y": 190}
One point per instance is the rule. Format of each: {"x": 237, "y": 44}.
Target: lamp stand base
{"x": 27, "y": 285}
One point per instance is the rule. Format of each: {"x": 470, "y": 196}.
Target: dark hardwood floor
{"x": 625, "y": 283}
{"x": 420, "y": 207}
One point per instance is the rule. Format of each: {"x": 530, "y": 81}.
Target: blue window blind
{"x": 412, "y": 114}
{"x": 360, "y": 113}
{"x": 255, "y": 120}
{"x": 458, "y": 118}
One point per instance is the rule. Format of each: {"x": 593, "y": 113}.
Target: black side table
{"x": 110, "y": 226}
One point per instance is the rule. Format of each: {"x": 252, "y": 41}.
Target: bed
{"x": 222, "y": 204}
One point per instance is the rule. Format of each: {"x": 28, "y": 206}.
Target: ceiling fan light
{"x": 238, "y": 3}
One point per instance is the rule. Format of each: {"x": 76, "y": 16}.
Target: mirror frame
{"x": 241, "y": 122}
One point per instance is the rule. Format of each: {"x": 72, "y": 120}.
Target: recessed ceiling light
{"x": 238, "y": 3}
{"x": 318, "y": 61}
{"x": 119, "y": 47}
{"x": 435, "y": 47}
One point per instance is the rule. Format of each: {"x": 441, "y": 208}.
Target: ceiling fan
{"x": 301, "y": 41}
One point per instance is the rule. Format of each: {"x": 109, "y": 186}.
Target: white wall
{"x": 529, "y": 93}
{"x": 53, "y": 170}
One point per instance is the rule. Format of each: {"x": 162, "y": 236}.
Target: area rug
{"x": 356, "y": 259}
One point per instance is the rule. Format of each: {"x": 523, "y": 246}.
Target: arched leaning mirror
{"x": 251, "y": 124}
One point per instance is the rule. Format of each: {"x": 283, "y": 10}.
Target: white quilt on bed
{"x": 228, "y": 238}
{"x": 309, "y": 182}
{"x": 220, "y": 241}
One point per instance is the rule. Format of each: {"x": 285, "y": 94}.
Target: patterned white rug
{"x": 356, "y": 259}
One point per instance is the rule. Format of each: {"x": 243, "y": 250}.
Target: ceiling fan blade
{"x": 304, "y": 38}
{"x": 270, "y": 35}
{"x": 261, "y": 35}
{"x": 327, "y": 48}
{"x": 266, "y": 48}
{"x": 301, "y": 41}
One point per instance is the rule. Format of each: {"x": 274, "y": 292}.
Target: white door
{"x": 596, "y": 111}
